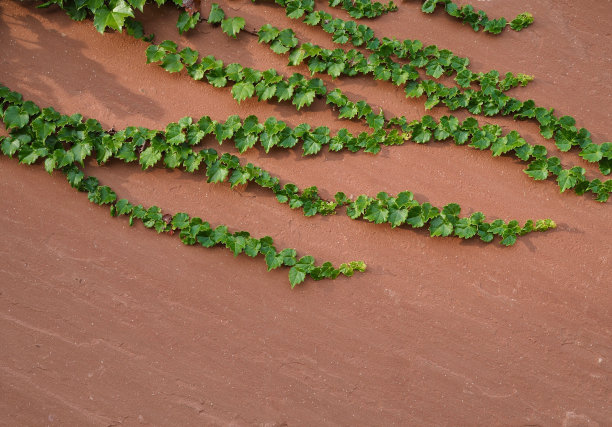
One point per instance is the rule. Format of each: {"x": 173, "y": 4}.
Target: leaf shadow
{"x": 28, "y": 33}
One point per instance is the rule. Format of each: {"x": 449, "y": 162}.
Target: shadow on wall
{"x": 26, "y": 40}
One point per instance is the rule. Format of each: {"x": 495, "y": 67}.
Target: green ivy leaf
{"x": 429, "y": 6}
{"x": 28, "y": 155}
{"x": 252, "y": 247}
{"x": 155, "y": 53}
{"x": 435, "y": 70}
{"x": 303, "y": 97}
{"x": 168, "y": 46}
{"x": 414, "y": 89}
{"x": 431, "y": 102}
{"x": 357, "y": 208}
{"x": 420, "y": 134}
{"x": 172, "y": 63}
{"x": 295, "y": 9}
{"x": 189, "y": 56}
{"x": 524, "y": 152}
{"x": 138, "y": 4}
{"x": 236, "y": 244}
{"x": 81, "y": 151}
{"x": 440, "y": 226}
{"x": 296, "y": 276}
{"x": 296, "y": 57}
{"x": 335, "y": 69}
{"x": 174, "y": 134}
{"x": 126, "y": 153}
{"x": 564, "y": 139}
{"x": 180, "y": 221}
{"x": 591, "y": 153}
{"x": 217, "y": 172}
{"x": 15, "y": 118}
{"x": 605, "y": 166}
{"x": 376, "y": 213}
{"x": 112, "y": 18}
{"x": 306, "y": 263}
{"x": 192, "y": 163}
{"x": 186, "y": 21}
{"x": 538, "y": 169}
{"x": 273, "y": 260}
{"x": 244, "y": 142}
{"x": 42, "y": 128}
{"x": 234, "y": 72}
{"x": 509, "y": 240}
{"x": 283, "y": 91}
{"x": 264, "y": 90}
{"x": 232, "y": 26}
{"x": 74, "y": 176}
{"x": 251, "y": 75}
{"x": 464, "y": 229}
{"x": 63, "y": 158}
{"x": 481, "y": 140}
{"x": 397, "y": 216}
{"x": 10, "y": 145}
{"x": 566, "y": 180}
{"x": 242, "y": 91}
{"x": 521, "y": 21}
{"x": 149, "y": 157}
{"x": 217, "y": 77}
{"x": 216, "y": 14}
{"x": 267, "y": 33}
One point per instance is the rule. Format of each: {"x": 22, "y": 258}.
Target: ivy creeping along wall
{"x": 64, "y": 143}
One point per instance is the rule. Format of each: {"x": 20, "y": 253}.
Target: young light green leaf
{"x": 232, "y": 26}
{"x": 538, "y": 169}
{"x": 149, "y": 157}
{"x": 296, "y": 276}
{"x": 303, "y": 97}
{"x": 242, "y": 91}
{"x": 112, "y": 18}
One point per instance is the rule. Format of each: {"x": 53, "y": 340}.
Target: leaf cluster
{"x": 493, "y": 102}
{"x": 246, "y": 82}
{"x": 175, "y": 144}
{"x": 187, "y": 21}
{"x": 230, "y": 26}
{"x": 364, "y": 8}
{"x": 117, "y": 14}
{"x": 63, "y": 142}
{"x": 195, "y": 231}
{"x": 478, "y": 19}
{"x": 489, "y": 136}
{"x": 521, "y": 21}
{"x": 429, "y": 58}
{"x": 488, "y": 101}
{"x": 67, "y": 141}
{"x": 404, "y": 210}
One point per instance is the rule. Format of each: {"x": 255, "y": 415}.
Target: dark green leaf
{"x": 216, "y": 14}
{"x": 172, "y": 63}
{"x": 15, "y": 118}
{"x": 186, "y": 21}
